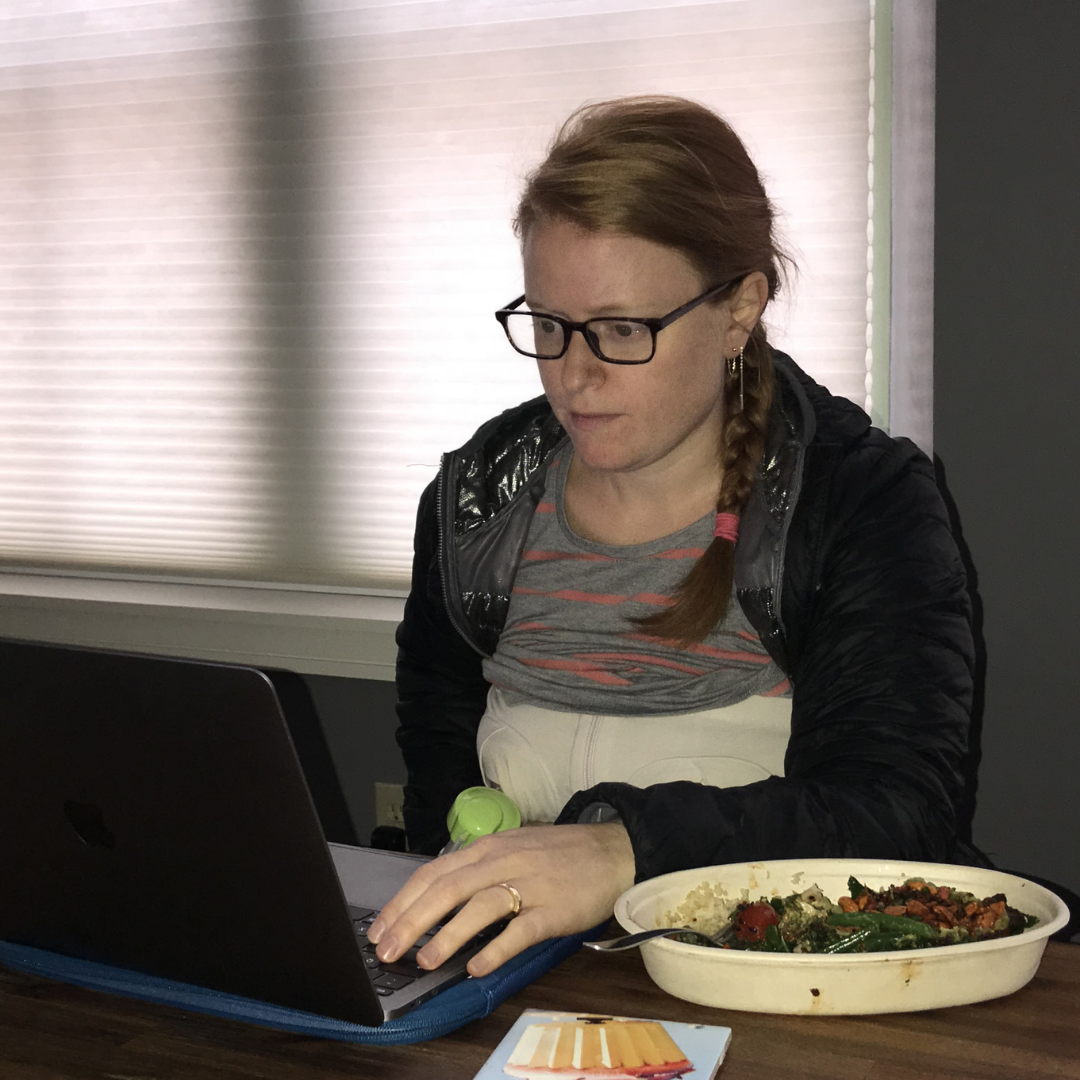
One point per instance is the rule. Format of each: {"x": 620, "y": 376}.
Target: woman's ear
{"x": 747, "y": 304}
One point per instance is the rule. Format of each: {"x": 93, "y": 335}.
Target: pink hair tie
{"x": 727, "y": 527}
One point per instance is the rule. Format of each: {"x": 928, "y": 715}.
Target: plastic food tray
{"x": 902, "y": 981}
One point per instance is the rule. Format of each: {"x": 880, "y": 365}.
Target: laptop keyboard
{"x": 388, "y": 978}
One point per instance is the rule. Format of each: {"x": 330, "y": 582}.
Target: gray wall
{"x": 1007, "y": 394}
{"x": 358, "y": 721}
{"x": 1007, "y": 398}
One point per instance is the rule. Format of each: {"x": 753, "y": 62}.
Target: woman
{"x": 689, "y": 605}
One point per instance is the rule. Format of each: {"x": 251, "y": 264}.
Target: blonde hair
{"x": 671, "y": 171}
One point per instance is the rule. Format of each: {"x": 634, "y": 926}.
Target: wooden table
{"x": 50, "y": 1030}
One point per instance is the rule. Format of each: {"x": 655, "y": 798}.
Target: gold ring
{"x": 514, "y": 895}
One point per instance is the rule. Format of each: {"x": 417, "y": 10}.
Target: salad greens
{"x": 913, "y": 915}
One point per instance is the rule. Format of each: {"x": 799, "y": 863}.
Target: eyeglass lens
{"x": 616, "y": 339}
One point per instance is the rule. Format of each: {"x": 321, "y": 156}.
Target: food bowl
{"x": 902, "y": 981}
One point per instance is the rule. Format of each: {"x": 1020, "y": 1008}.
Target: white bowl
{"x": 903, "y": 981}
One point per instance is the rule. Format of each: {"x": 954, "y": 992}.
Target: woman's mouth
{"x": 591, "y": 421}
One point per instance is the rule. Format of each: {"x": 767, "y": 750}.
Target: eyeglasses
{"x": 612, "y": 339}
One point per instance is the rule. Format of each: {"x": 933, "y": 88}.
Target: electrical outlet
{"x": 389, "y": 799}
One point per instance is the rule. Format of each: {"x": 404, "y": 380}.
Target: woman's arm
{"x": 442, "y": 695}
{"x": 568, "y": 878}
{"x": 877, "y": 617}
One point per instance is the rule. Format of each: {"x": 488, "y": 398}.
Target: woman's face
{"x": 629, "y": 418}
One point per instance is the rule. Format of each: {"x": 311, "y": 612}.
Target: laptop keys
{"x": 391, "y": 981}
{"x": 405, "y": 967}
{"x": 362, "y": 918}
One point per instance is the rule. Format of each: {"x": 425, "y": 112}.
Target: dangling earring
{"x": 736, "y": 362}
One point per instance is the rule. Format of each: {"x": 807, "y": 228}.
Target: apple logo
{"x": 88, "y": 821}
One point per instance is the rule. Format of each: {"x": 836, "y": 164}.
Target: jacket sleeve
{"x": 442, "y": 695}
{"x": 878, "y": 627}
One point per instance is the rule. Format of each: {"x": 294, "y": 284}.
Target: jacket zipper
{"x": 444, "y": 565}
{"x": 781, "y": 555}
{"x": 781, "y": 561}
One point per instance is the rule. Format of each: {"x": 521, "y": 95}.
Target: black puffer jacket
{"x": 848, "y": 570}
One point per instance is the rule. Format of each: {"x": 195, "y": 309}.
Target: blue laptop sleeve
{"x": 467, "y": 1001}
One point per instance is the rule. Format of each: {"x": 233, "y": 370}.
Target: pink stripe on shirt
{"x": 778, "y": 689}
{"x": 548, "y": 556}
{"x": 703, "y": 650}
{"x": 573, "y": 594}
{"x": 644, "y": 658}
{"x": 576, "y": 667}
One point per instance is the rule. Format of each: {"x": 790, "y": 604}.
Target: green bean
{"x": 878, "y": 920}
{"x": 848, "y": 943}
{"x": 774, "y": 941}
{"x": 888, "y": 942}
{"x": 868, "y": 940}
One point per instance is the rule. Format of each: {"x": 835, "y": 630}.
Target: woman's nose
{"x": 581, "y": 367}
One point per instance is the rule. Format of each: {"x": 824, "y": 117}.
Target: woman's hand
{"x": 569, "y": 877}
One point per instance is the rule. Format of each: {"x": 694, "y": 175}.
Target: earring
{"x": 736, "y": 363}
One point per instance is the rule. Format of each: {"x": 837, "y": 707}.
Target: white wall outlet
{"x": 389, "y": 799}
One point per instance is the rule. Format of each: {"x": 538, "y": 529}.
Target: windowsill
{"x": 312, "y": 632}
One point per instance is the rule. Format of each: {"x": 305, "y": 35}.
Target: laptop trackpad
{"x": 370, "y": 877}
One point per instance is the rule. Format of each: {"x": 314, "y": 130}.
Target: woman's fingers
{"x": 486, "y": 907}
{"x": 421, "y": 880}
{"x": 418, "y": 884}
{"x": 524, "y": 930}
{"x": 428, "y": 896}
{"x": 430, "y": 908}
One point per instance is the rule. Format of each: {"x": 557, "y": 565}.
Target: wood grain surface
{"x": 50, "y": 1030}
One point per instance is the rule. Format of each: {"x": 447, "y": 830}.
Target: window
{"x": 218, "y": 405}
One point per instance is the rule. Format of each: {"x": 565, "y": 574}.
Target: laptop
{"x": 155, "y": 816}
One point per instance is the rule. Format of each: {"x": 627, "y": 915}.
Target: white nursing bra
{"x": 540, "y": 757}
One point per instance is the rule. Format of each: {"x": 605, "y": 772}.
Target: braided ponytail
{"x": 702, "y": 597}
{"x": 673, "y": 172}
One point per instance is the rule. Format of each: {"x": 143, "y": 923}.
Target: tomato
{"x": 751, "y": 922}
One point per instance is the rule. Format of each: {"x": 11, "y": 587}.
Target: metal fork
{"x": 631, "y": 941}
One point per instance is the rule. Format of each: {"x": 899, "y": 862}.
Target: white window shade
{"x": 441, "y": 109}
{"x": 131, "y": 431}
{"x": 248, "y": 262}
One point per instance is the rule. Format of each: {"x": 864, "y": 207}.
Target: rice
{"x": 706, "y": 908}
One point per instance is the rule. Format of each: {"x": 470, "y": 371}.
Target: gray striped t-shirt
{"x": 568, "y": 643}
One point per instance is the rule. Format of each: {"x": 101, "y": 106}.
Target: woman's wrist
{"x": 616, "y": 841}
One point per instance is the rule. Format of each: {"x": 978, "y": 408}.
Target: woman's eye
{"x": 546, "y": 326}
{"x": 625, "y": 330}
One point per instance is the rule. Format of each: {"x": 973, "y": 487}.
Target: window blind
{"x": 250, "y": 251}
{"x": 132, "y": 431}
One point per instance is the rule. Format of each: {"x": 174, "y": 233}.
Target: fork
{"x": 631, "y": 941}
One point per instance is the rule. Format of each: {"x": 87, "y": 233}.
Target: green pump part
{"x": 479, "y": 811}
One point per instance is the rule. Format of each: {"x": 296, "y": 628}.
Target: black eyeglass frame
{"x": 654, "y": 326}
